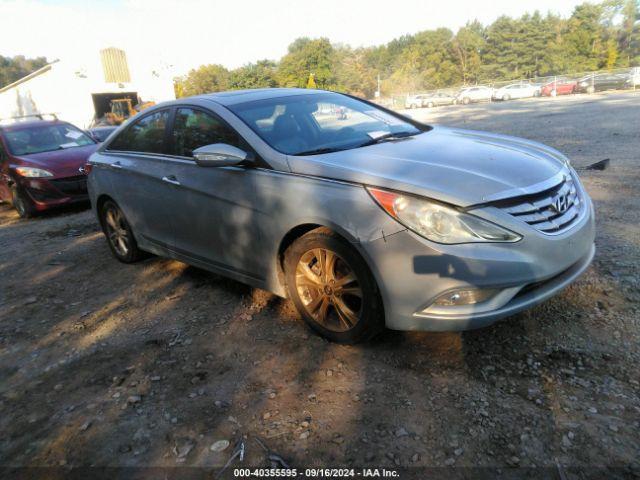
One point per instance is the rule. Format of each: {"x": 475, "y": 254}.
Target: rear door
{"x": 137, "y": 160}
{"x": 212, "y": 208}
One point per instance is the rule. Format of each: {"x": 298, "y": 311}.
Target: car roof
{"x": 234, "y": 97}
{"x": 29, "y": 124}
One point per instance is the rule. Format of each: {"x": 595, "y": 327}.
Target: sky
{"x": 179, "y": 35}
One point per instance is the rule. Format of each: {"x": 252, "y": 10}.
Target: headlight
{"x": 33, "y": 172}
{"x": 438, "y": 222}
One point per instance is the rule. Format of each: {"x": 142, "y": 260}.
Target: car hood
{"x": 62, "y": 163}
{"x": 461, "y": 167}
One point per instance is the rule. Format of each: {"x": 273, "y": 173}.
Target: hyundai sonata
{"x": 365, "y": 220}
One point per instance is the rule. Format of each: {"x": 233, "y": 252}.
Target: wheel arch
{"x": 100, "y": 201}
{"x": 301, "y": 229}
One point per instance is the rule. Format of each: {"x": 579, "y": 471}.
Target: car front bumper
{"x": 413, "y": 272}
{"x": 46, "y": 193}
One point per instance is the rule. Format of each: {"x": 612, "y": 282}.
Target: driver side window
{"x": 194, "y": 129}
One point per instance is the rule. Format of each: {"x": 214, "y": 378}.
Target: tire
{"x": 21, "y": 202}
{"x": 319, "y": 294}
{"x": 466, "y": 100}
{"x": 119, "y": 235}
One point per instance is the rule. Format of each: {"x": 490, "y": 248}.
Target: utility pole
{"x": 377, "y": 94}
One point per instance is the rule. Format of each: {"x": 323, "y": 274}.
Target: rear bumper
{"x": 50, "y": 193}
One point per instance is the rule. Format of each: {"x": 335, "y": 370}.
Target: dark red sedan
{"x": 41, "y": 164}
{"x": 561, "y": 86}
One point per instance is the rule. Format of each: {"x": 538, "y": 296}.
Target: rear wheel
{"x": 119, "y": 235}
{"x": 332, "y": 287}
{"x": 21, "y": 202}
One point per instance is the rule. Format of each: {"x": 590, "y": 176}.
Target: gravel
{"x": 83, "y": 337}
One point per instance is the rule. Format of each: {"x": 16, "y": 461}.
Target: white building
{"x": 79, "y": 92}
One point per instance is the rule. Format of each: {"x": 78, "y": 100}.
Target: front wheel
{"x": 21, "y": 202}
{"x": 120, "y": 238}
{"x": 332, "y": 287}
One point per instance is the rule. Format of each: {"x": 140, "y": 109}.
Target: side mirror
{"x": 220, "y": 155}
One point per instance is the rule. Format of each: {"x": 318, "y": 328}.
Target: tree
{"x": 311, "y": 83}
{"x": 595, "y": 36}
{"x": 307, "y": 56}
{"x": 204, "y": 79}
{"x": 254, "y": 75}
{"x": 14, "y": 68}
{"x": 468, "y": 45}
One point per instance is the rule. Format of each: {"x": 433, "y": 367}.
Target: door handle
{"x": 116, "y": 164}
{"x": 171, "y": 179}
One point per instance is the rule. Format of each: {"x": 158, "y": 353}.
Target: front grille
{"x": 550, "y": 211}
{"x": 72, "y": 185}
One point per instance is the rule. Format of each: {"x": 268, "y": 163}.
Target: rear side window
{"x": 145, "y": 135}
{"x": 194, "y": 129}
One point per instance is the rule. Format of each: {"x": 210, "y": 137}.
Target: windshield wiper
{"x": 387, "y": 137}
{"x": 318, "y": 151}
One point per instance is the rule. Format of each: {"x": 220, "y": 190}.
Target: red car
{"x": 41, "y": 164}
{"x": 561, "y": 86}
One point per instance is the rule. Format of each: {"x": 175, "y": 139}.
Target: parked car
{"x": 438, "y": 99}
{"x": 100, "y": 134}
{"x": 41, "y": 164}
{"x": 516, "y": 90}
{"x": 413, "y": 101}
{"x": 474, "y": 94}
{"x": 384, "y": 221}
{"x": 429, "y": 100}
{"x": 603, "y": 81}
{"x": 633, "y": 80}
{"x": 559, "y": 86}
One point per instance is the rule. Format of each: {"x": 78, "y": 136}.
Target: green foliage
{"x": 308, "y": 56}
{"x": 595, "y": 36}
{"x": 204, "y": 79}
{"x": 14, "y": 68}
{"x": 262, "y": 74}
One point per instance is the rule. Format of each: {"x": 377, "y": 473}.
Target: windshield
{"x": 320, "y": 123}
{"x": 45, "y": 138}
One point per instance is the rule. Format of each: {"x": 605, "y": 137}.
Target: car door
{"x": 212, "y": 209}
{"x": 137, "y": 158}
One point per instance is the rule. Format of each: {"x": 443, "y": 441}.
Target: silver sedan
{"x": 363, "y": 217}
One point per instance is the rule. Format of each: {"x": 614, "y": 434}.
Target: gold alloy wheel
{"x": 329, "y": 289}
{"x": 116, "y": 231}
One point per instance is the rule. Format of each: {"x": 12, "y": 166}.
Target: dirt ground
{"x": 148, "y": 365}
